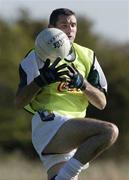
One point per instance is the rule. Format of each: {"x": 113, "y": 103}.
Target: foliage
{"x": 18, "y": 38}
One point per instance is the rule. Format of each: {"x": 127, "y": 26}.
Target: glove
{"x": 51, "y": 74}
{"x": 76, "y": 79}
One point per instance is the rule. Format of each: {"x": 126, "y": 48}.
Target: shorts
{"x": 53, "y": 159}
{"x": 44, "y": 126}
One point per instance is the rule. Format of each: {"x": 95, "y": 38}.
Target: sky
{"x": 110, "y": 17}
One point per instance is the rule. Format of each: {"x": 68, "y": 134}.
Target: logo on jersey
{"x": 63, "y": 87}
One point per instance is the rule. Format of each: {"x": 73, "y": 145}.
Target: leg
{"x": 91, "y": 137}
{"x": 75, "y": 132}
{"x": 52, "y": 172}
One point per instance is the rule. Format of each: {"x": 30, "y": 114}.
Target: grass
{"x": 16, "y": 167}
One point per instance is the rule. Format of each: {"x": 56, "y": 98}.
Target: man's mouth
{"x": 69, "y": 37}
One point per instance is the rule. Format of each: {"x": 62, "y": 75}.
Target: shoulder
{"x": 97, "y": 77}
{"x": 86, "y": 54}
{"x": 29, "y": 59}
{"x": 30, "y": 62}
{"x": 29, "y": 67}
{"x": 84, "y": 51}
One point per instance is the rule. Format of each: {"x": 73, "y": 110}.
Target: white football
{"x": 52, "y": 43}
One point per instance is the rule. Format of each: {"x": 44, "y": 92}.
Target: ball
{"x": 52, "y": 43}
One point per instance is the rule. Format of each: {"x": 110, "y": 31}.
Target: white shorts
{"x": 42, "y": 133}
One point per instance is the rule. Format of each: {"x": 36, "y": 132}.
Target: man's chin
{"x": 71, "y": 40}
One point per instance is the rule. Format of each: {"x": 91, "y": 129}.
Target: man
{"x": 65, "y": 140}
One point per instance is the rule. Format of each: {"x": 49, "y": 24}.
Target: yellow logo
{"x": 63, "y": 87}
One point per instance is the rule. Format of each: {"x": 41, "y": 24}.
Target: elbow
{"x": 102, "y": 105}
{"x": 102, "y": 102}
{"x": 17, "y": 103}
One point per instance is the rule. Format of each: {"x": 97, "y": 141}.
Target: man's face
{"x": 68, "y": 24}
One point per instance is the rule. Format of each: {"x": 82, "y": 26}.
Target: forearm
{"x": 95, "y": 96}
{"x": 26, "y": 94}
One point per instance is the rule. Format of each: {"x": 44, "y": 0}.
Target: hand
{"x": 76, "y": 79}
{"x": 51, "y": 74}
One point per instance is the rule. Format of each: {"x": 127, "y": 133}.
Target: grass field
{"x": 16, "y": 167}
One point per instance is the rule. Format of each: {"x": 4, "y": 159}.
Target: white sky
{"x": 110, "y": 17}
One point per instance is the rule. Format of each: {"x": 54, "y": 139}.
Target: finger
{"x": 74, "y": 67}
{"x": 70, "y": 75}
{"x": 46, "y": 64}
{"x": 71, "y": 69}
{"x": 63, "y": 79}
{"x": 61, "y": 67}
{"x": 67, "y": 73}
{"x": 56, "y": 62}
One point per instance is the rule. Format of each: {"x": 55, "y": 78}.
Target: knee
{"x": 111, "y": 133}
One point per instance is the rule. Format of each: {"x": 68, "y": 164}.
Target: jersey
{"x": 58, "y": 96}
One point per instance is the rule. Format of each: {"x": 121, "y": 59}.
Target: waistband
{"x": 46, "y": 115}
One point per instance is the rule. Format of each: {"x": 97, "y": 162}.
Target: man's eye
{"x": 73, "y": 25}
{"x": 64, "y": 25}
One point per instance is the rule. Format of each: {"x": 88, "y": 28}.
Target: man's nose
{"x": 69, "y": 29}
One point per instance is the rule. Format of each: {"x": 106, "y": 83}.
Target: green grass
{"x": 16, "y": 167}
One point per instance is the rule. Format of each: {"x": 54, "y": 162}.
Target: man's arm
{"x": 25, "y": 94}
{"x": 94, "y": 86}
{"x": 48, "y": 74}
{"x": 95, "y": 96}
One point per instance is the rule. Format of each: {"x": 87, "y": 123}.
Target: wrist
{"x": 84, "y": 85}
{"x": 39, "y": 81}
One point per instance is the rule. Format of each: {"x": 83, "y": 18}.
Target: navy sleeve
{"x": 23, "y": 77}
{"x": 96, "y": 76}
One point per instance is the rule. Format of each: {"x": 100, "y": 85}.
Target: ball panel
{"x": 52, "y": 43}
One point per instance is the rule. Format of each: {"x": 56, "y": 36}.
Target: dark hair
{"x": 57, "y": 12}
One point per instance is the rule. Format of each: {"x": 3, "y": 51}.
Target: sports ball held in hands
{"x": 52, "y": 43}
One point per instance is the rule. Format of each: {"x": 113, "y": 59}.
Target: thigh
{"x": 73, "y": 133}
{"x": 53, "y": 171}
